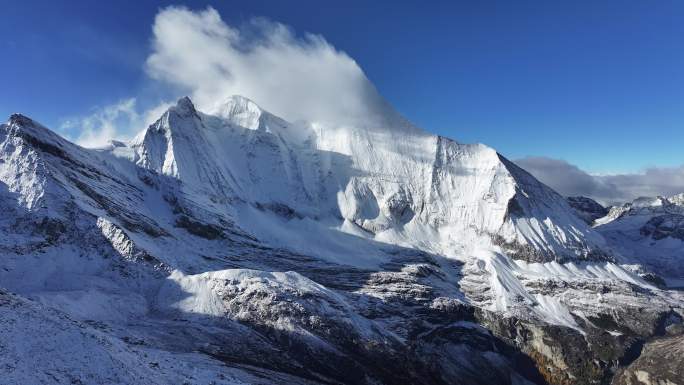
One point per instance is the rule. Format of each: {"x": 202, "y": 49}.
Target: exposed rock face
{"x": 594, "y": 354}
{"x": 660, "y": 363}
{"x": 663, "y": 226}
{"x": 328, "y": 339}
{"x": 587, "y": 209}
{"x": 257, "y": 251}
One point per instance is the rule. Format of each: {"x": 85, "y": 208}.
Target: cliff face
{"x": 587, "y": 209}
{"x": 659, "y": 363}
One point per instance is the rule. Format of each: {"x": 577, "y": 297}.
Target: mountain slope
{"x": 314, "y": 253}
{"x": 395, "y": 184}
{"x": 649, "y": 232}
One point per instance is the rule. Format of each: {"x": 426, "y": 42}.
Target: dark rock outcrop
{"x": 587, "y": 209}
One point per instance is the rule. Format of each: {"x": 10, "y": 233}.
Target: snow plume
{"x": 116, "y": 121}
{"x": 196, "y": 53}
{"x": 298, "y": 78}
{"x": 570, "y": 180}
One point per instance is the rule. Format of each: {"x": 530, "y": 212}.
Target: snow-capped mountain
{"x": 389, "y": 181}
{"x": 649, "y": 232}
{"x": 264, "y": 251}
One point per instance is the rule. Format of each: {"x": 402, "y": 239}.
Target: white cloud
{"x": 570, "y": 180}
{"x": 196, "y": 53}
{"x": 115, "y": 121}
{"x": 293, "y": 77}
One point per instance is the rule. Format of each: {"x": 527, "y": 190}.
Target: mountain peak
{"x": 25, "y": 127}
{"x": 184, "y": 107}
{"x": 20, "y": 120}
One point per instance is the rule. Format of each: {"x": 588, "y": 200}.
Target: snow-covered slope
{"x": 42, "y": 345}
{"x": 649, "y": 232}
{"x": 306, "y": 252}
{"x": 395, "y": 184}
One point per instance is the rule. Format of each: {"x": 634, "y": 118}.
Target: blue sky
{"x": 598, "y": 84}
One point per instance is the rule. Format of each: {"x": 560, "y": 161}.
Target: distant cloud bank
{"x": 569, "y": 180}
